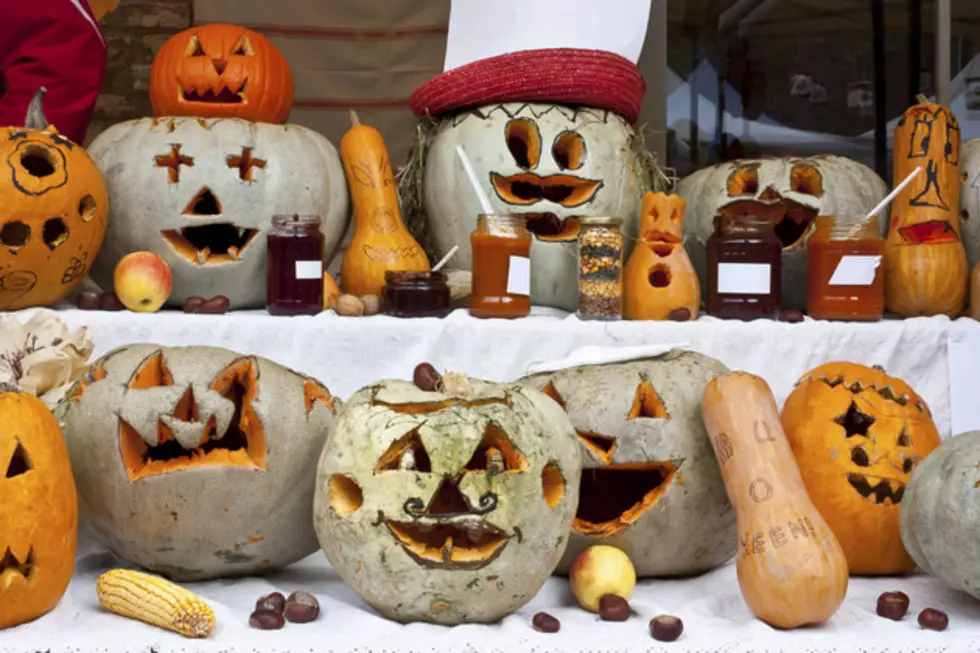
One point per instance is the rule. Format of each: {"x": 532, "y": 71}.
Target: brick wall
{"x": 134, "y": 32}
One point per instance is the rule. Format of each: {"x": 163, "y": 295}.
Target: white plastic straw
{"x": 445, "y": 259}
{"x": 474, "y": 180}
{"x": 892, "y": 195}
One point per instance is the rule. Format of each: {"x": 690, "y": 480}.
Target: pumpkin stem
{"x": 921, "y": 99}
{"x": 878, "y": 368}
{"x": 354, "y": 120}
{"x": 35, "y": 112}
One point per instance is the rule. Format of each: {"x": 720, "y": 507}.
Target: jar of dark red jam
{"x": 416, "y": 294}
{"x": 744, "y": 268}
{"x": 295, "y": 266}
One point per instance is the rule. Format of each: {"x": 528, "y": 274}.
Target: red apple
{"x": 142, "y": 282}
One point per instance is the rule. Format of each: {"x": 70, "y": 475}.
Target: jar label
{"x": 309, "y": 269}
{"x": 519, "y": 276}
{"x": 855, "y": 271}
{"x": 744, "y": 279}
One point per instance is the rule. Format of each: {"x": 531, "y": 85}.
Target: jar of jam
{"x": 600, "y": 281}
{"x": 501, "y": 285}
{"x": 416, "y": 294}
{"x": 295, "y": 265}
{"x": 845, "y": 275}
{"x": 744, "y": 268}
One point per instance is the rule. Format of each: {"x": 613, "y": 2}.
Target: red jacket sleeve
{"x": 56, "y": 44}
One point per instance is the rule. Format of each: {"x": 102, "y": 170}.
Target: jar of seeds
{"x": 600, "y": 281}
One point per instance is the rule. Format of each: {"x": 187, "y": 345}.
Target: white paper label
{"x": 519, "y": 276}
{"x": 855, "y": 271}
{"x": 309, "y": 269}
{"x": 743, "y": 278}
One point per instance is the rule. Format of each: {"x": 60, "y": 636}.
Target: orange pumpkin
{"x": 857, "y": 435}
{"x": 38, "y": 510}
{"x": 53, "y": 213}
{"x": 926, "y": 266}
{"x": 221, "y": 71}
{"x": 659, "y": 281}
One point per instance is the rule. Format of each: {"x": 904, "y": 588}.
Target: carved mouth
{"x": 10, "y": 564}
{"x": 527, "y": 188}
{"x": 462, "y": 543}
{"x": 791, "y": 220}
{"x": 877, "y": 489}
{"x": 549, "y": 228}
{"x": 933, "y": 231}
{"x": 614, "y": 496}
{"x": 209, "y": 244}
{"x": 224, "y": 95}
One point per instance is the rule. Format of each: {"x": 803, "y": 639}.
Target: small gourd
{"x": 381, "y": 241}
{"x": 659, "y": 280}
{"x": 791, "y": 569}
{"x": 149, "y": 598}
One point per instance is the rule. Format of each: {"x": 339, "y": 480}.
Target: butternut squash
{"x": 331, "y": 291}
{"x": 156, "y": 601}
{"x": 791, "y": 569}
{"x": 381, "y": 241}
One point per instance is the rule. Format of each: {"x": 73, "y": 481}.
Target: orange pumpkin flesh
{"x": 221, "y": 71}
{"x": 857, "y": 435}
{"x": 38, "y": 511}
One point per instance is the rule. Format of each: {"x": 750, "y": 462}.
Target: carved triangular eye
{"x": 194, "y": 48}
{"x": 151, "y": 373}
{"x": 496, "y": 453}
{"x": 243, "y": 46}
{"x": 552, "y": 392}
{"x": 407, "y": 453}
{"x": 20, "y": 463}
{"x": 647, "y": 403}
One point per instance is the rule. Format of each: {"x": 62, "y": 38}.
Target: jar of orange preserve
{"x": 501, "y": 285}
{"x": 846, "y": 273}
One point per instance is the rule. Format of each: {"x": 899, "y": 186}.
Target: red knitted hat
{"x": 594, "y": 78}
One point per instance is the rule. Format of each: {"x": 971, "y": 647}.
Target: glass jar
{"x": 416, "y": 294}
{"x": 295, "y": 265}
{"x": 845, "y": 275}
{"x": 501, "y": 285}
{"x": 744, "y": 268}
{"x": 600, "y": 270}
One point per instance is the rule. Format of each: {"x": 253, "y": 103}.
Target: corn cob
{"x": 156, "y": 601}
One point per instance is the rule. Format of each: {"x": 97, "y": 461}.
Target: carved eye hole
{"x": 243, "y": 47}
{"x": 20, "y": 463}
{"x": 569, "y": 151}
{"x": 524, "y": 142}
{"x": 194, "y": 48}
{"x": 743, "y": 181}
{"x": 14, "y": 234}
{"x": 38, "y": 161}
{"x": 806, "y": 179}
{"x": 496, "y": 453}
{"x": 407, "y": 453}
{"x": 345, "y": 495}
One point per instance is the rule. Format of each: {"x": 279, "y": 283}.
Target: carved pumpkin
{"x": 857, "y": 435}
{"x": 549, "y": 163}
{"x": 38, "y": 510}
{"x": 659, "y": 282}
{"x": 650, "y": 484}
{"x": 794, "y": 190}
{"x": 926, "y": 271}
{"x": 196, "y": 462}
{"x": 53, "y": 209}
{"x": 201, "y": 194}
{"x": 970, "y": 200}
{"x": 447, "y": 508}
{"x": 221, "y": 71}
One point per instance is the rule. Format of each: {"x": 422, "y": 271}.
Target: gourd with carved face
{"x": 38, "y": 510}
{"x": 549, "y": 163}
{"x": 651, "y": 485}
{"x": 201, "y": 194}
{"x": 858, "y": 435}
{"x": 221, "y": 71}
{"x": 791, "y": 191}
{"x": 447, "y": 508}
{"x": 196, "y": 462}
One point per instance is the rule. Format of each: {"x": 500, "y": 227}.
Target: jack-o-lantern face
{"x": 201, "y": 194}
{"x": 549, "y": 163}
{"x": 650, "y": 484}
{"x": 53, "y": 210}
{"x": 858, "y": 435}
{"x": 38, "y": 511}
{"x": 153, "y": 430}
{"x": 221, "y": 71}
{"x": 475, "y": 493}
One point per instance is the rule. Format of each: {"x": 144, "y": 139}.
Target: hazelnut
{"x": 275, "y": 602}
{"x": 217, "y": 305}
{"x": 614, "y": 608}
{"x": 426, "y": 377}
{"x": 666, "y": 628}
{"x": 266, "y": 620}
{"x": 88, "y": 300}
{"x": 932, "y": 619}
{"x": 192, "y": 304}
{"x": 349, "y": 305}
{"x": 893, "y": 605}
{"x": 545, "y": 623}
{"x": 302, "y": 607}
{"x": 372, "y": 304}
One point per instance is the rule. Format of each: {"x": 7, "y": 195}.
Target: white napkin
{"x": 596, "y": 355}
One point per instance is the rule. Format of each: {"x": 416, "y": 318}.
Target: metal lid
{"x": 600, "y": 220}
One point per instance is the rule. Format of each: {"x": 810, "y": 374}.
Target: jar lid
{"x": 600, "y": 220}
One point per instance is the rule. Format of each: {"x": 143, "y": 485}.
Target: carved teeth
{"x": 202, "y": 255}
{"x": 233, "y": 253}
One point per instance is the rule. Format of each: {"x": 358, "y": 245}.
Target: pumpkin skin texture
{"x": 53, "y": 213}
{"x": 239, "y": 504}
{"x": 650, "y": 481}
{"x": 221, "y": 71}
{"x": 939, "y": 517}
{"x": 495, "y": 473}
{"x": 794, "y": 191}
{"x": 970, "y": 200}
{"x": 38, "y": 511}
{"x": 926, "y": 269}
{"x": 857, "y": 435}
{"x": 525, "y": 154}
{"x": 201, "y": 194}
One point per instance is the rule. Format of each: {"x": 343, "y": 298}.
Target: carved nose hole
{"x": 220, "y": 65}
{"x": 55, "y": 232}
{"x": 860, "y": 457}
